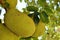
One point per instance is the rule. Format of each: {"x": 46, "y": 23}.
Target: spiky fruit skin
{"x": 40, "y": 29}
{"x": 6, "y": 34}
{"x": 19, "y": 23}
{"x": 12, "y": 3}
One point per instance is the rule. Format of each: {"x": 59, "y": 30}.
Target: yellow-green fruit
{"x": 12, "y": 3}
{"x": 40, "y": 29}
{"x": 19, "y": 23}
{"x": 6, "y": 34}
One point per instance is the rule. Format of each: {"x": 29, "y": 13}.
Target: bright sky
{"x": 21, "y": 5}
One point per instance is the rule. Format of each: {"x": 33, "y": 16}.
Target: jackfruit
{"x": 6, "y": 34}
{"x": 19, "y": 23}
{"x": 40, "y": 29}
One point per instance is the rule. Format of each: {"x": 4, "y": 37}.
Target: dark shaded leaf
{"x": 26, "y": 0}
{"x": 56, "y": 1}
{"x": 32, "y": 8}
{"x": 51, "y": 5}
{"x": 20, "y": 0}
{"x": 48, "y": 10}
{"x": 30, "y": 15}
{"x": 44, "y": 17}
{"x": 0, "y": 11}
{"x": 58, "y": 8}
{"x": 22, "y": 39}
{"x": 0, "y": 21}
{"x": 36, "y": 18}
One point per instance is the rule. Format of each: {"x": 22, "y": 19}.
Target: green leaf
{"x": 44, "y": 17}
{"x": 26, "y": 0}
{"x": 22, "y": 39}
{"x": 20, "y": 0}
{"x": 30, "y": 15}
{"x": 35, "y": 38}
{"x": 44, "y": 36}
{"x": 42, "y": 2}
{"x": 0, "y": 11}
{"x": 58, "y": 9}
{"x": 56, "y": 1}
{"x": 32, "y": 8}
{"x": 48, "y": 10}
{"x": 29, "y": 38}
{"x": 36, "y": 18}
{"x": 51, "y": 5}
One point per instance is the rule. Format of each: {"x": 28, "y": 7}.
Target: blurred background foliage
{"x": 49, "y": 12}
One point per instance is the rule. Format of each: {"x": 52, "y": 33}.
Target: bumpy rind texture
{"x": 19, "y": 23}
{"x": 6, "y": 34}
{"x": 40, "y": 29}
